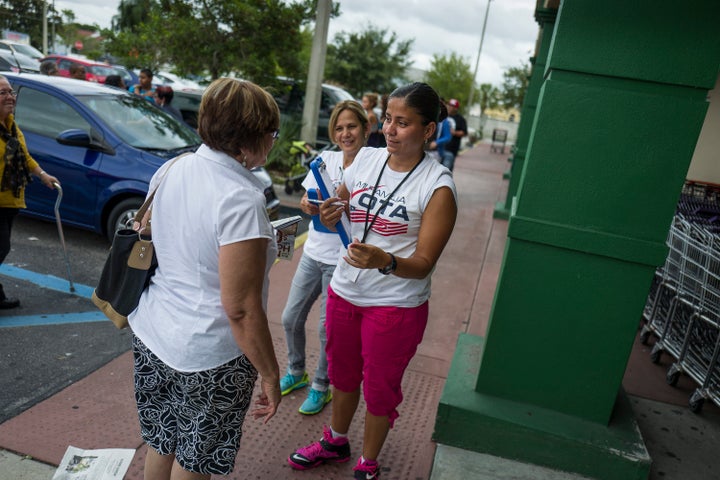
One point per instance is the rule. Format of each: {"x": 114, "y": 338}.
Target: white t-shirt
{"x": 323, "y": 246}
{"x": 395, "y": 231}
{"x": 207, "y": 200}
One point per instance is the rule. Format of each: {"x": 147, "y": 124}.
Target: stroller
{"x": 304, "y": 153}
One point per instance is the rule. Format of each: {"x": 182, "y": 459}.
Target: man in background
{"x": 77, "y": 71}
{"x": 459, "y": 131}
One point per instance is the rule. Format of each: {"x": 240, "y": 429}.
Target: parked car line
{"x": 103, "y": 144}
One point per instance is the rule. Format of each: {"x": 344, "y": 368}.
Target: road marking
{"x": 61, "y": 318}
{"x": 50, "y": 282}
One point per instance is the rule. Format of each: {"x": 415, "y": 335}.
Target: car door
{"x": 42, "y": 115}
{"x": 64, "y": 67}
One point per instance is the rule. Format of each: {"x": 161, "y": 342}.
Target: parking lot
{"x": 56, "y": 336}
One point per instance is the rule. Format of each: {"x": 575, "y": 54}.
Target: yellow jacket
{"x": 7, "y": 199}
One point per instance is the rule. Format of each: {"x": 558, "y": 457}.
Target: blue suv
{"x": 103, "y": 144}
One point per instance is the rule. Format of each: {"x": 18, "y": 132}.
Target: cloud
{"x": 437, "y": 28}
{"x": 441, "y": 28}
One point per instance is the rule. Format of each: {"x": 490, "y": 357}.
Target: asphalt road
{"x": 56, "y": 336}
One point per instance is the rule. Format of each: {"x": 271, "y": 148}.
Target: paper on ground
{"x": 102, "y": 464}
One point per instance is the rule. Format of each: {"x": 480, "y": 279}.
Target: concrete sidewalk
{"x": 98, "y": 411}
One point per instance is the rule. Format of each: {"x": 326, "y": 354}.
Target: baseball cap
{"x": 454, "y": 103}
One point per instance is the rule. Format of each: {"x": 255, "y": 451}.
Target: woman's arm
{"x": 436, "y": 227}
{"x": 242, "y": 274}
{"x": 445, "y": 134}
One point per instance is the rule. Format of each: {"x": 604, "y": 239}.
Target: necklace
{"x": 366, "y": 227}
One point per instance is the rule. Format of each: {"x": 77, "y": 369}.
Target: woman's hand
{"x": 331, "y": 211}
{"x": 308, "y": 207}
{"x": 365, "y": 255}
{"x": 268, "y": 401}
{"x": 48, "y": 180}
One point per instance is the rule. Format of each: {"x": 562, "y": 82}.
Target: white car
{"x": 177, "y": 83}
{"x": 23, "y": 48}
{"x": 17, "y": 62}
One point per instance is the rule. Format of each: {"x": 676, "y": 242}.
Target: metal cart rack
{"x": 499, "y": 138}
{"x": 683, "y": 307}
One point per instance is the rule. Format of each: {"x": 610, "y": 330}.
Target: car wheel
{"x": 121, "y": 214}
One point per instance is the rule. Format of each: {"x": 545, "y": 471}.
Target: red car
{"x": 94, "y": 71}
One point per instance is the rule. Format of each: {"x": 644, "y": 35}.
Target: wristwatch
{"x": 388, "y": 269}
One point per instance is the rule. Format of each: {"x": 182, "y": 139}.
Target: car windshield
{"x": 100, "y": 70}
{"x": 139, "y": 123}
{"x": 28, "y": 50}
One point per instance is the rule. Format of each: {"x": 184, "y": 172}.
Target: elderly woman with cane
{"x": 15, "y": 170}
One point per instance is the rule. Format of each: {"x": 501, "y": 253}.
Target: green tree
{"x": 255, "y": 39}
{"x": 368, "y": 61}
{"x": 489, "y": 96}
{"x": 25, "y": 16}
{"x": 450, "y": 76}
{"x": 132, "y": 14}
{"x": 515, "y": 83}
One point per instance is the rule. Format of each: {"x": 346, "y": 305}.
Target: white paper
{"x": 102, "y": 464}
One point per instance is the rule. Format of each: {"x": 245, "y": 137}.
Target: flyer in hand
{"x": 327, "y": 190}
{"x": 285, "y": 231}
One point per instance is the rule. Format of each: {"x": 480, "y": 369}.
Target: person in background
{"x": 200, "y": 331}
{"x": 115, "y": 81}
{"x": 383, "y": 108}
{"x": 402, "y": 205}
{"x": 15, "y": 169}
{"x": 444, "y": 134}
{"x": 369, "y": 103}
{"x": 349, "y": 129}
{"x": 77, "y": 71}
{"x": 163, "y": 99}
{"x": 49, "y": 68}
{"x": 459, "y": 131}
{"x": 145, "y": 88}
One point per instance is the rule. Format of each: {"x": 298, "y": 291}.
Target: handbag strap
{"x": 148, "y": 201}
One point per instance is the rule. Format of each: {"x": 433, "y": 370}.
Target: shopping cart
{"x": 698, "y": 355}
{"x": 683, "y": 307}
{"x": 499, "y": 138}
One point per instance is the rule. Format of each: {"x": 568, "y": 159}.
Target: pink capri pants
{"x": 372, "y": 346}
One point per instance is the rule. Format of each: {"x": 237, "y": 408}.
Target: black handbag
{"x": 128, "y": 268}
{"x": 127, "y": 272}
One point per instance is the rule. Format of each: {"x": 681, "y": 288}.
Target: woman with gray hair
{"x": 16, "y": 168}
{"x": 200, "y": 332}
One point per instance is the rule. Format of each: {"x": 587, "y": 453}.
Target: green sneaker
{"x": 315, "y": 401}
{"x": 290, "y": 382}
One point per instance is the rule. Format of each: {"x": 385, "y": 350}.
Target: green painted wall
{"x": 619, "y": 111}
{"x": 608, "y": 151}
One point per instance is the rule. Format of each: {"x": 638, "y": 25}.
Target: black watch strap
{"x": 388, "y": 269}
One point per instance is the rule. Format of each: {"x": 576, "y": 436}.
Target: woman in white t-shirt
{"x": 402, "y": 208}
{"x": 349, "y": 129}
{"x": 200, "y": 332}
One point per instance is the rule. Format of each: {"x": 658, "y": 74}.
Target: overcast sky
{"x": 437, "y": 27}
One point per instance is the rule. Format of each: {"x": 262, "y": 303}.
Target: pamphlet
{"x": 103, "y": 464}
{"x": 285, "y": 232}
{"x": 327, "y": 190}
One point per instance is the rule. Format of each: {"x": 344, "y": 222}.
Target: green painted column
{"x": 618, "y": 117}
{"x": 546, "y": 18}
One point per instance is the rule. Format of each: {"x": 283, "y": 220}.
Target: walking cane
{"x": 60, "y": 232}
